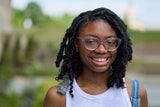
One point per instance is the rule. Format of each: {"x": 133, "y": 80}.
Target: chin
{"x": 100, "y": 69}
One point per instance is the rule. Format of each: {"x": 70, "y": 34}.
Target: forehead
{"x": 99, "y": 28}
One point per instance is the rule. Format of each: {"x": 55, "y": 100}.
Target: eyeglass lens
{"x": 91, "y": 43}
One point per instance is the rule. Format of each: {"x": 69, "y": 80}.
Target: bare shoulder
{"x": 143, "y": 95}
{"x": 129, "y": 86}
{"x": 54, "y": 99}
{"x": 143, "y": 92}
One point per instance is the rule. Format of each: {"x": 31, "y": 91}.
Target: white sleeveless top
{"x": 113, "y": 97}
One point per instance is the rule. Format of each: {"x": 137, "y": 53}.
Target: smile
{"x": 100, "y": 59}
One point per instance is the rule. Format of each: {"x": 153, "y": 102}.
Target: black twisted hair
{"x": 69, "y": 59}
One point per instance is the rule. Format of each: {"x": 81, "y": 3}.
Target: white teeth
{"x": 100, "y": 59}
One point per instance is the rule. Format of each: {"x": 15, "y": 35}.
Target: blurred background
{"x": 31, "y": 31}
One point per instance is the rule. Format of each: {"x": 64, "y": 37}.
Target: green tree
{"x": 33, "y": 11}
{"x": 18, "y": 18}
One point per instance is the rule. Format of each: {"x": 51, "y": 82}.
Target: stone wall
{"x": 5, "y": 16}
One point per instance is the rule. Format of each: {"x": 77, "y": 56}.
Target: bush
{"x": 41, "y": 92}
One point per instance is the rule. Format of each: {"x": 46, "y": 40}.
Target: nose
{"x": 101, "y": 49}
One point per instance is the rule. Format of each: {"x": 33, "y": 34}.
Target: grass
{"x": 145, "y": 66}
{"x": 148, "y": 37}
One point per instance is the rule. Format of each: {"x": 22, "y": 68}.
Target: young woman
{"x": 92, "y": 59}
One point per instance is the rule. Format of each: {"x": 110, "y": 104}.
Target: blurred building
{"x": 130, "y": 18}
{"x": 5, "y": 21}
{"x": 5, "y": 16}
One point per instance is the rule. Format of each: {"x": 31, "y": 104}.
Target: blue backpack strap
{"x": 135, "y": 93}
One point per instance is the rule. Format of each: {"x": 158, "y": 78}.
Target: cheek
{"x": 114, "y": 55}
{"x": 81, "y": 49}
{"x": 83, "y": 52}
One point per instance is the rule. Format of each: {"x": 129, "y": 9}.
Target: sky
{"x": 142, "y": 13}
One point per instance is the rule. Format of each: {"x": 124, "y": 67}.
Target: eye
{"x": 111, "y": 42}
{"x": 91, "y": 41}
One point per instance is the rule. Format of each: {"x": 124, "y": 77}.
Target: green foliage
{"x": 11, "y": 100}
{"x": 62, "y": 21}
{"x": 151, "y": 37}
{"x": 16, "y": 53}
{"x": 6, "y": 71}
{"x": 34, "y": 12}
{"x": 41, "y": 92}
{"x": 39, "y": 69}
{"x": 31, "y": 47}
{"x": 16, "y": 61}
{"x": 18, "y": 18}
{"x": 5, "y": 57}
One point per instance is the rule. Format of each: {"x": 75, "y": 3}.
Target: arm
{"x": 54, "y": 99}
{"x": 143, "y": 95}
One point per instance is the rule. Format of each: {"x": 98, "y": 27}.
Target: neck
{"x": 93, "y": 83}
{"x": 94, "y": 78}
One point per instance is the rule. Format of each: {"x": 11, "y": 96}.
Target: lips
{"x": 101, "y": 61}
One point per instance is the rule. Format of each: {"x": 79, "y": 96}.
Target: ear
{"x": 76, "y": 45}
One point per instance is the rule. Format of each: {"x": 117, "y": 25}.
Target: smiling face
{"x": 100, "y": 59}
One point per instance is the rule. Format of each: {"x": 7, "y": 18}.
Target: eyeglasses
{"x": 91, "y": 43}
